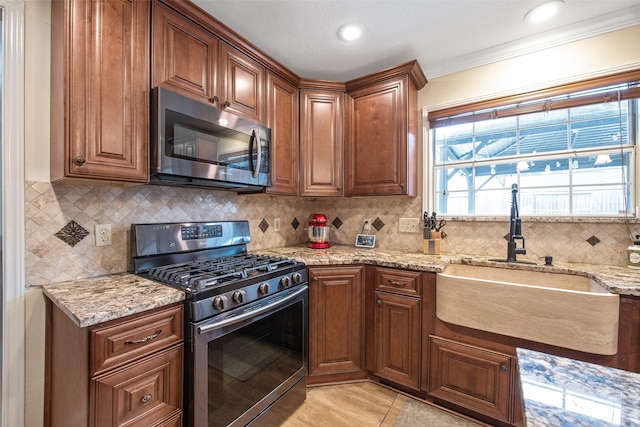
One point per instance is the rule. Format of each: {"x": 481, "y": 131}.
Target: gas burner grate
{"x": 199, "y": 275}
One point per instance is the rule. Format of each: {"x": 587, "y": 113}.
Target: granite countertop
{"x": 95, "y": 300}
{"x": 617, "y": 280}
{"x": 564, "y": 392}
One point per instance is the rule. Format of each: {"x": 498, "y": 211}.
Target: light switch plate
{"x": 409, "y": 225}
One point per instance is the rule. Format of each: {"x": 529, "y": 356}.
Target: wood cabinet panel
{"x": 120, "y": 343}
{"x": 381, "y": 138}
{"x": 185, "y": 55}
{"x": 471, "y": 377}
{"x": 397, "y": 338}
{"x": 117, "y": 395}
{"x": 141, "y": 394}
{"x": 399, "y": 281}
{"x": 100, "y": 52}
{"x": 321, "y": 142}
{"x": 335, "y": 324}
{"x": 242, "y": 83}
{"x": 283, "y": 119}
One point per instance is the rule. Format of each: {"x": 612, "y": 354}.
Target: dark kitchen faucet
{"x": 515, "y": 232}
{"x": 515, "y": 228}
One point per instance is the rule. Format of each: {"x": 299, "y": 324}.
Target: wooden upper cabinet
{"x": 241, "y": 84}
{"x": 282, "y": 119}
{"x": 321, "y": 142}
{"x": 100, "y": 90}
{"x": 185, "y": 55}
{"x": 192, "y": 60}
{"x": 381, "y": 139}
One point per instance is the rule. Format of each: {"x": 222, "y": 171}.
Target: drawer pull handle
{"x": 145, "y": 399}
{"x": 394, "y": 283}
{"x": 145, "y": 339}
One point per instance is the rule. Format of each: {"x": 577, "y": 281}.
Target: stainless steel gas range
{"x": 246, "y": 318}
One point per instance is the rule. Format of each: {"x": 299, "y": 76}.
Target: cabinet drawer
{"x": 471, "y": 377}
{"x": 143, "y": 394}
{"x": 120, "y": 343}
{"x": 398, "y": 281}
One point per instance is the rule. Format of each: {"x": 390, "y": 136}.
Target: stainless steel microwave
{"x": 198, "y": 145}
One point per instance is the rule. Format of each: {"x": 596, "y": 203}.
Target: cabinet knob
{"x": 401, "y": 185}
{"x": 504, "y": 368}
{"x": 378, "y": 302}
{"x": 339, "y": 189}
{"x": 213, "y": 100}
{"x": 80, "y": 160}
{"x": 226, "y": 104}
{"x": 146, "y": 399}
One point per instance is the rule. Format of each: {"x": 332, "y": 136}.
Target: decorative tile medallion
{"x": 263, "y": 225}
{"x": 378, "y": 224}
{"x": 593, "y": 240}
{"x": 337, "y": 223}
{"x": 295, "y": 223}
{"x": 72, "y": 233}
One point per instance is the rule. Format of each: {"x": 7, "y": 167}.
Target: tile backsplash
{"x": 51, "y": 207}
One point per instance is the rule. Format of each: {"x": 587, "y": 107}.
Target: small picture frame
{"x": 365, "y": 241}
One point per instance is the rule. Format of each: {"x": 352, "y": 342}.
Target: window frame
{"x": 531, "y": 102}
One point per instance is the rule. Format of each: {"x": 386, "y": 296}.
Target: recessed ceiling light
{"x": 350, "y": 32}
{"x": 544, "y": 11}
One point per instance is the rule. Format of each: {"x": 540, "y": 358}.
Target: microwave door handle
{"x": 256, "y": 135}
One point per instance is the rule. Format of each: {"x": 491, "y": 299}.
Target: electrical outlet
{"x": 366, "y": 224}
{"x": 103, "y": 234}
{"x": 408, "y": 225}
{"x": 276, "y": 224}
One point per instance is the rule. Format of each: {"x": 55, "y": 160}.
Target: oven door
{"x": 251, "y": 362}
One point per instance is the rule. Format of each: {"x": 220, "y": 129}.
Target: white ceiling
{"x": 445, "y": 36}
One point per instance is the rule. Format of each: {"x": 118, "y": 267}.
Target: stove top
{"x": 210, "y": 263}
{"x": 196, "y": 277}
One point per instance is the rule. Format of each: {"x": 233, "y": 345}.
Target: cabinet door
{"x": 321, "y": 143}
{"x": 241, "y": 84}
{"x": 185, "y": 55}
{"x": 106, "y": 91}
{"x": 471, "y": 377}
{"x": 335, "y": 324}
{"x": 282, "y": 119}
{"x": 379, "y": 145}
{"x": 397, "y": 339}
{"x": 140, "y": 394}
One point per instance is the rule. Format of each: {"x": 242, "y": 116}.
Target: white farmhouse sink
{"x": 553, "y": 308}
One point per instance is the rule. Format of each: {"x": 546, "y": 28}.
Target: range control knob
{"x": 220, "y": 303}
{"x": 285, "y": 282}
{"x": 296, "y": 278}
{"x": 263, "y": 289}
{"x": 238, "y": 297}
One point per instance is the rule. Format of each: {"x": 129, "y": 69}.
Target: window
{"x": 571, "y": 151}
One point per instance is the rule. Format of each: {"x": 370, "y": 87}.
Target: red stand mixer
{"x": 318, "y": 231}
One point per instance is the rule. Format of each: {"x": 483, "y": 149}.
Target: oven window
{"x": 192, "y": 139}
{"x": 247, "y": 364}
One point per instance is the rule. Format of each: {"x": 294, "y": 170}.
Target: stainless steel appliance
{"x": 197, "y": 144}
{"x": 318, "y": 232}
{"x": 246, "y": 315}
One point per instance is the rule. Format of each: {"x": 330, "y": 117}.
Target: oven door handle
{"x": 244, "y": 316}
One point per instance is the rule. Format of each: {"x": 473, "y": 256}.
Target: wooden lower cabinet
{"x": 125, "y": 372}
{"x": 472, "y": 378}
{"x": 335, "y": 324}
{"x": 397, "y": 339}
